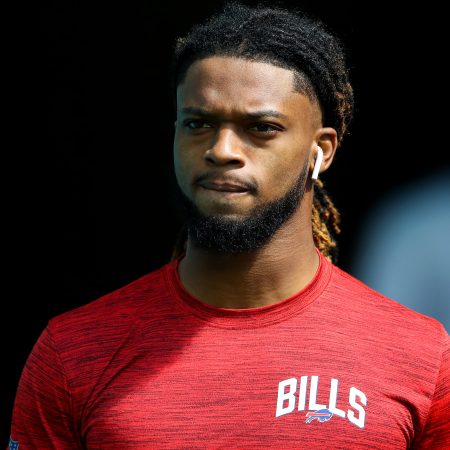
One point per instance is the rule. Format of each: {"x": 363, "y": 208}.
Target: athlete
{"x": 250, "y": 337}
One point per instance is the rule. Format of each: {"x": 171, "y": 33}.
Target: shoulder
{"x": 83, "y": 348}
{"x": 111, "y": 314}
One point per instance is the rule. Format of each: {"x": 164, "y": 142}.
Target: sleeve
{"x": 436, "y": 433}
{"x": 42, "y": 413}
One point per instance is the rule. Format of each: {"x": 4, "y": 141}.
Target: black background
{"x": 91, "y": 183}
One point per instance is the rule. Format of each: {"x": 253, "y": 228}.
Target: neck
{"x": 284, "y": 266}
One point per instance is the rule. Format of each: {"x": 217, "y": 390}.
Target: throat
{"x": 247, "y": 280}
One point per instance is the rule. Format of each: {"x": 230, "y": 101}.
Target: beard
{"x": 225, "y": 235}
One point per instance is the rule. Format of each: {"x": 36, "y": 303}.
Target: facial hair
{"x": 226, "y": 235}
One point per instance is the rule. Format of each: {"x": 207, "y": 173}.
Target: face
{"x": 243, "y": 137}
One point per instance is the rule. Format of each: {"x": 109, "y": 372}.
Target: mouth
{"x": 223, "y": 193}
{"x": 223, "y": 187}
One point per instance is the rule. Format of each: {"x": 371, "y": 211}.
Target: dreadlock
{"x": 288, "y": 39}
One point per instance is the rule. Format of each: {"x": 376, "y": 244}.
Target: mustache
{"x": 216, "y": 176}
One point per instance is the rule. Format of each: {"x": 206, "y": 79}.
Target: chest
{"x": 251, "y": 393}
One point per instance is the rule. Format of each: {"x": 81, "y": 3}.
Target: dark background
{"x": 92, "y": 175}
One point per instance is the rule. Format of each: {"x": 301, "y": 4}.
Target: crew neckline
{"x": 248, "y": 317}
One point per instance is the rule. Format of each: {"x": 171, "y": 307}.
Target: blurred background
{"x": 92, "y": 185}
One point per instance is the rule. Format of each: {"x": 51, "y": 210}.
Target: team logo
{"x": 13, "y": 445}
{"x": 321, "y": 415}
{"x": 302, "y": 394}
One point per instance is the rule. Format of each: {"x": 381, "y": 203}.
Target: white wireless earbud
{"x": 318, "y": 163}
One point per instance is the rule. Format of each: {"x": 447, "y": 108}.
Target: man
{"x": 250, "y": 337}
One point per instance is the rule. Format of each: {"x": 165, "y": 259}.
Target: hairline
{"x": 301, "y": 83}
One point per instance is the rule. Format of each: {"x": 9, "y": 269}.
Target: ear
{"x": 326, "y": 139}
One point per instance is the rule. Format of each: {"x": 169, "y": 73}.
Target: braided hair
{"x": 288, "y": 39}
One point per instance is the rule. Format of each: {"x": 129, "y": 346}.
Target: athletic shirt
{"x": 335, "y": 366}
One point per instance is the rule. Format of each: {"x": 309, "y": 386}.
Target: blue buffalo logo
{"x": 321, "y": 415}
{"x": 13, "y": 445}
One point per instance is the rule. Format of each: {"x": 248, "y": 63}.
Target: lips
{"x": 223, "y": 186}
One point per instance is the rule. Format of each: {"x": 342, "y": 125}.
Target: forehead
{"x": 235, "y": 84}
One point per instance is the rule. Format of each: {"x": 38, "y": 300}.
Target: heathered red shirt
{"x": 336, "y": 366}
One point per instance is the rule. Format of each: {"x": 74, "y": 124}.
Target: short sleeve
{"x": 42, "y": 414}
{"x": 436, "y": 434}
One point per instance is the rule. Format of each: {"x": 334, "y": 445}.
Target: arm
{"x": 436, "y": 434}
{"x": 42, "y": 414}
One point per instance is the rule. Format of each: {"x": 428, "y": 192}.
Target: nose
{"x": 226, "y": 149}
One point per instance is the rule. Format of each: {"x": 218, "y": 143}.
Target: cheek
{"x": 188, "y": 162}
{"x": 281, "y": 173}
{"x": 181, "y": 167}
{"x": 281, "y": 181}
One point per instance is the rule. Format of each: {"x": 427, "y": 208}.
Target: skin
{"x": 228, "y": 146}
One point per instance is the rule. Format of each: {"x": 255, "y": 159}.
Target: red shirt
{"x": 335, "y": 366}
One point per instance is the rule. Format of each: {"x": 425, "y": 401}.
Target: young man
{"x": 250, "y": 337}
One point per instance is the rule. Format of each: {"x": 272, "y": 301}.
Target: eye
{"x": 196, "y": 124}
{"x": 265, "y": 129}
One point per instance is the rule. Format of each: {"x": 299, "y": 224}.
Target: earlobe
{"x": 318, "y": 163}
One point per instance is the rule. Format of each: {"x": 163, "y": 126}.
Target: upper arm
{"x": 436, "y": 433}
{"x": 42, "y": 414}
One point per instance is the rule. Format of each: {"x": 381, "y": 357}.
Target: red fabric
{"x": 149, "y": 366}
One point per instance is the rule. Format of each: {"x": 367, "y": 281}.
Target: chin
{"x": 224, "y": 210}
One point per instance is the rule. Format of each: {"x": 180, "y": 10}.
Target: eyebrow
{"x": 248, "y": 115}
